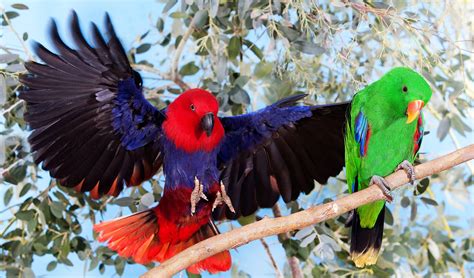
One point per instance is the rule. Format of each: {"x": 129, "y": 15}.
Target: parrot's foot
{"x": 196, "y": 195}
{"x": 383, "y": 185}
{"x": 408, "y": 167}
{"x": 222, "y": 197}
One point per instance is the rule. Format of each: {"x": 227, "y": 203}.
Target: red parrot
{"x": 93, "y": 130}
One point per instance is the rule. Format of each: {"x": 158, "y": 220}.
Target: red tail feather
{"x": 136, "y": 236}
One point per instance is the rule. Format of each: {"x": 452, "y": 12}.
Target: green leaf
{"x": 188, "y": 69}
{"x": 144, "y": 35}
{"x": 192, "y": 275}
{"x": 422, "y": 186}
{"x": 124, "y": 201}
{"x": 25, "y": 36}
{"x": 166, "y": 40}
{"x": 309, "y": 48}
{"x": 20, "y": 6}
{"x": 178, "y": 15}
{"x": 25, "y": 215}
{"x": 51, "y": 265}
{"x": 388, "y": 217}
{"x": 239, "y": 95}
{"x": 8, "y": 58}
{"x": 15, "y": 175}
{"x": 25, "y": 189}
{"x": 94, "y": 263}
{"x": 413, "y": 211}
{"x": 169, "y": 4}
{"x": 160, "y": 24}
{"x": 201, "y": 18}
{"x": 233, "y": 49}
{"x": 254, "y": 49}
{"x": 443, "y": 128}
{"x": 57, "y": 209}
{"x": 65, "y": 248}
{"x": 290, "y": 33}
{"x": 245, "y": 220}
{"x": 143, "y": 48}
{"x": 11, "y": 15}
{"x": 405, "y": 202}
{"x": 8, "y": 196}
{"x": 262, "y": 69}
{"x": 429, "y": 201}
{"x": 119, "y": 265}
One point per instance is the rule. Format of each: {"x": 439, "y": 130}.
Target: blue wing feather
{"x": 247, "y": 130}
{"x": 135, "y": 119}
{"x": 361, "y": 132}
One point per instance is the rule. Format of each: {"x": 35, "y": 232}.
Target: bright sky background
{"x": 131, "y": 19}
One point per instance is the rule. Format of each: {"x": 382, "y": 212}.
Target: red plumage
{"x": 187, "y": 134}
{"x": 159, "y": 233}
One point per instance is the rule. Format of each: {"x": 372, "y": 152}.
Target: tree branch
{"x": 175, "y": 77}
{"x": 272, "y": 226}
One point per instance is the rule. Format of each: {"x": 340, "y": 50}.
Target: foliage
{"x": 250, "y": 53}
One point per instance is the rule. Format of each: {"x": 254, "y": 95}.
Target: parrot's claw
{"x": 222, "y": 197}
{"x": 383, "y": 185}
{"x": 197, "y": 195}
{"x": 408, "y": 167}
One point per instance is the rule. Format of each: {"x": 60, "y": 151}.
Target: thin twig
{"x": 175, "y": 62}
{"x": 293, "y": 261}
{"x": 22, "y": 42}
{"x": 272, "y": 259}
{"x": 272, "y": 226}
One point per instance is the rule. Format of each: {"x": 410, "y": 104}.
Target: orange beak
{"x": 413, "y": 110}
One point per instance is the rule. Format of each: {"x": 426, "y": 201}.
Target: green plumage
{"x": 378, "y": 117}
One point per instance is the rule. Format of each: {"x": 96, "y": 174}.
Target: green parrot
{"x": 384, "y": 132}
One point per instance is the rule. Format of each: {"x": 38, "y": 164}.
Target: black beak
{"x": 207, "y": 123}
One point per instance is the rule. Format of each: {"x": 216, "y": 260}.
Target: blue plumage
{"x": 361, "y": 131}
{"x": 247, "y": 130}
{"x": 181, "y": 167}
{"x": 134, "y": 118}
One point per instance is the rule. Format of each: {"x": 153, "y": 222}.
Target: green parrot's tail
{"x": 366, "y": 242}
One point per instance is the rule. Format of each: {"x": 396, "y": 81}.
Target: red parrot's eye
{"x": 405, "y": 89}
{"x": 192, "y": 107}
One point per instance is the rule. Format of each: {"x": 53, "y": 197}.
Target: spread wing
{"x": 279, "y": 151}
{"x": 92, "y": 128}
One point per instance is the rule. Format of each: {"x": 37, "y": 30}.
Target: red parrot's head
{"x": 192, "y": 123}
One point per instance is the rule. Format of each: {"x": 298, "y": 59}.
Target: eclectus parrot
{"x": 384, "y": 133}
{"x": 94, "y": 131}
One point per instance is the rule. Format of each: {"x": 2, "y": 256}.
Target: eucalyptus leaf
{"x": 143, "y": 48}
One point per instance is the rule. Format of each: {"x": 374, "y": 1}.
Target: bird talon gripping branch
{"x": 409, "y": 169}
{"x": 197, "y": 195}
{"x": 222, "y": 197}
{"x": 383, "y": 185}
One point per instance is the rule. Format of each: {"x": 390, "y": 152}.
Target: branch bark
{"x": 272, "y": 226}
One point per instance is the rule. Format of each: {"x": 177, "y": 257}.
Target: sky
{"x": 130, "y": 20}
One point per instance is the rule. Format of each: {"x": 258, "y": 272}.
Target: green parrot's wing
{"x": 357, "y": 138}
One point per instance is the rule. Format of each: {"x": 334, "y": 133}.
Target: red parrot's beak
{"x": 207, "y": 123}
{"x": 413, "y": 110}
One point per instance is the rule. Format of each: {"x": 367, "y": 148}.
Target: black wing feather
{"x": 71, "y": 102}
{"x": 290, "y": 147}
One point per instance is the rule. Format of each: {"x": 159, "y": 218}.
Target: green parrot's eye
{"x": 192, "y": 107}
{"x": 405, "y": 89}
